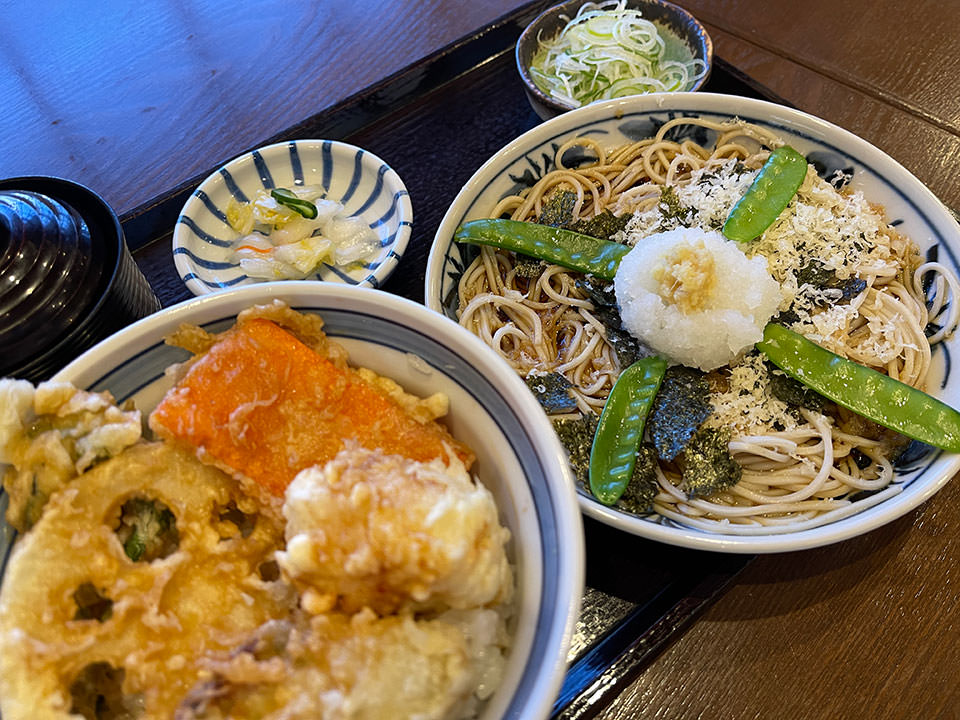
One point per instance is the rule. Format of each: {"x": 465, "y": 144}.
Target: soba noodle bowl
{"x": 801, "y": 467}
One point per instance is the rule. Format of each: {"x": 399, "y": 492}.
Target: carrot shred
{"x": 265, "y": 405}
{"x": 254, "y": 248}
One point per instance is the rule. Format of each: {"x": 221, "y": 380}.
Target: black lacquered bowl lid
{"x": 66, "y": 277}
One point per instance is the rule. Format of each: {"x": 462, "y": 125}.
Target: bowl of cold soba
{"x": 738, "y": 317}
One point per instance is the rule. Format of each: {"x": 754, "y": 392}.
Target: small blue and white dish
{"x": 204, "y": 242}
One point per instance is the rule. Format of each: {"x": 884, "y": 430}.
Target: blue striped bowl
{"x": 365, "y": 185}
{"x": 518, "y": 455}
{"x": 910, "y": 207}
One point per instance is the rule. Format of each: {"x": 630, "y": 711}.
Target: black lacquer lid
{"x": 66, "y": 277}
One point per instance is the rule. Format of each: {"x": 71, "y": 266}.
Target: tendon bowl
{"x": 910, "y": 207}
{"x": 204, "y": 243}
{"x": 518, "y": 456}
{"x": 682, "y": 33}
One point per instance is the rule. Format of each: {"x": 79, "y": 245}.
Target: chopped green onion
{"x": 608, "y": 50}
{"x": 288, "y": 198}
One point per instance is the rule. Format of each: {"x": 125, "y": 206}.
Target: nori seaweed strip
{"x": 818, "y": 275}
{"x": 552, "y": 391}
{"x": 862, "y": 460}
{"x": 528, "y": 267}
{"x": 557, "y": 211}
{"x": 786, "y": 318}
{"x": 679, "y": 410}
{"x": 627, "y": 348}
{"x": 576, "y": 435}
{"x": 643, "y": 486}
{"x": 707, "y": 465}
{"x": 605, "y": 226}
{"x": 671, "y": 208}
{"x": 557, "y": 208}
{"x": 793, "y": 392}
{"x": 852, "y": 287}
{"x": 600, "y": 292}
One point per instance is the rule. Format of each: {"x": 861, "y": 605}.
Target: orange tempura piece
{"x": 263, "y": 404}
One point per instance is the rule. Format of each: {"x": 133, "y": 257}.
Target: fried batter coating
{"x": 339, "y": 667}
{"x": 263, "y": 405}
{"x": 385, "y": 532}
{"x": 49, "y": 435}
{"x": 306, "y": 327}
{"x": 154, "y": 586}
{"x": 75, "y": 607}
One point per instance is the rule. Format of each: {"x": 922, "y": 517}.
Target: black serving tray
{"x": 435, "y": 123}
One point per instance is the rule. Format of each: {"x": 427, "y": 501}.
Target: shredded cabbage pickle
{"x": 608, "y": 50}
{"x": 277, "y": 242}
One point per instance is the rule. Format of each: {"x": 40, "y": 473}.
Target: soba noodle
{"x": 796, "y": 473}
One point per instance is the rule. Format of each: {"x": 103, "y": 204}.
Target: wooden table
{"x": 133, "y": 100}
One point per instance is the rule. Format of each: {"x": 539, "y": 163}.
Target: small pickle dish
{"x": 296, "y": 210}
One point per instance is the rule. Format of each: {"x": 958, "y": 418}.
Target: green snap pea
{"x": 566, "y": 248}
{"x": 290, "y": 199}
{"x": 614, "y": 452}
{"x": 771, "y": 192}
{"x": 875, "y": 396}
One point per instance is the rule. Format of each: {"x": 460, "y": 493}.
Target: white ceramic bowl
{"x": 363, "y": 183}
{"x": 518, "y": 455}
{"x": 910, "y": 206}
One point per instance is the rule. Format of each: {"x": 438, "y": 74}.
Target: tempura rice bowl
{"x": 518, "y": 457}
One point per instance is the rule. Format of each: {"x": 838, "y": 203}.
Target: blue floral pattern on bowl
{"x": 839, "y": 156}
{"x": 203, "y": 241}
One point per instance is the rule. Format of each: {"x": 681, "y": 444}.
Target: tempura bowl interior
{"x": 518, "y": 456}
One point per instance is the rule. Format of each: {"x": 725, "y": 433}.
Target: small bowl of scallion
{"x": 580, "y": 52}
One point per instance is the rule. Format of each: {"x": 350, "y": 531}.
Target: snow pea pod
{"x": 768, "y": 195}
{"x": 614, "y": 452}
{"x": 566, "y": 248}
{"x": 869, "y": 393}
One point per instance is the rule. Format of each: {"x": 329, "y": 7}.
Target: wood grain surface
{"x": 133, "y": 99}
{"x": 886, "y": 71}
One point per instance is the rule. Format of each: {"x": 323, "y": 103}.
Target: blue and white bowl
{"x": 518, "y": 456}
{"x": 910, "y": 207}
{"x": 203, "y": 241}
